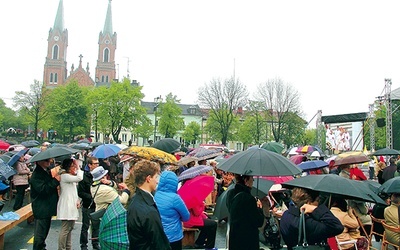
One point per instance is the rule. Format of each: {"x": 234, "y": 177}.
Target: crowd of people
{"x": 157, "y": 212}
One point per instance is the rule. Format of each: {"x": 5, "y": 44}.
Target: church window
{"x": 55, "y": 52}
{"x": 106, "y": 78}
{"x": 51, "y": 77}
{"x": 106, "y": 55}
{"x": 102, "y": 78}
{"x": 55, "y": 77}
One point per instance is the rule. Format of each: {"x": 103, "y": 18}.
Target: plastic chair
{"x": 341, "y": 243}
{"x": 373, "y": 232}
{"x": 393, "y": 229}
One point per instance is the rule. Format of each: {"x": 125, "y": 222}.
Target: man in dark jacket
{"x": 145, "y": 230}
{"x": 44, "y": 196}
{"x": 388, "y": 172}
{"x": 88, "y": 206}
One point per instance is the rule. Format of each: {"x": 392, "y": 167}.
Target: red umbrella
{"x": 297, "y": 159}
{"x": 196, "y": 189}
{"x": 278, "y": 179}
{"x": 4, "y": 145}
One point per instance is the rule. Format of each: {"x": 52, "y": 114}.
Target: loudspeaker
{"x": 380, "y": 122}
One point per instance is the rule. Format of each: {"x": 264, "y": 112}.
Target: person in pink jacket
{"x": 20, "y": 181}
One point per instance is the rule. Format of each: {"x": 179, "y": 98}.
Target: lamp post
{"x": 157, "y": 101}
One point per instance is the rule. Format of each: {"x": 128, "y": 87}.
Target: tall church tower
{"x": 55, "y": 67}
{"x": 105, "y": 69}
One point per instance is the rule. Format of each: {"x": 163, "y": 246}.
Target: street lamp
{"x": 157, "y": 101}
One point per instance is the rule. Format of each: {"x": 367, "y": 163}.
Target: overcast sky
{"x": 335, "y": 53}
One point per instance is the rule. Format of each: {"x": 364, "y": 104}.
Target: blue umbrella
{"x": 105, "y": 151}
{"x": 6, "y": 171}
{"x": 307, "y": 165}
{"x": 16, "y": 156}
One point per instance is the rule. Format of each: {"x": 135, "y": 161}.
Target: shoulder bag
{"x": 302, "y": 232}
{"x": 99, "y": 213}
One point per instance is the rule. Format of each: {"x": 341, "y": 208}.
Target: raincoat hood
{"x": 168, "y": 182}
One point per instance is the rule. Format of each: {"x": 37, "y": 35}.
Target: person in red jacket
{"x": 357, "y": 174}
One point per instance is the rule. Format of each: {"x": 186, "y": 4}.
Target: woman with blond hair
{"x": 379, "y": 167}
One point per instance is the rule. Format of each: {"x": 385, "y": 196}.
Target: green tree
{"x": 192, "y": 133}
{"x": 120, "y": 107}
{"x": 32, "y": 104}
{"x": 279, "y": 100}
{"x": 293, "y": 129}
{"x": 8, "y": 116}
{"x": 214, "y": 129}
{"x": 144, "y": 128}
{"x": 223, "y": 99}
{"x": 255, "y": 122}
{"x": 68, "y": 111}
{"x": 170, "y": 121}
{"x": 249, "y": 132}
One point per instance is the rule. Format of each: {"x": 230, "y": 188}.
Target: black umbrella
{"x": 386, "y": 151}
{"x": 30, "y": 144}
{"x": 33, "y": 151}
{"x": 81, "y": 146}
{"x": 391, "y": 186}
{"x": 273, "y": 146}
{"x": 335, "y": 185}
{"x": 52, "y": 153}
{"x": 259, "y": 162}
{"x": 168, "y": 145}
{"x": 96, "y": 144}
{"x": 221, "y": 210}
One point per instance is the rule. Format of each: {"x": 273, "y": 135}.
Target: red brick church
{"x": 55, "y": 68}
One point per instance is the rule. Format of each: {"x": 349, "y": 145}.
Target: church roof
{"x": 108, "y": 29}
{"x": 59, "y": 22}
{"x": 81, "y": 76}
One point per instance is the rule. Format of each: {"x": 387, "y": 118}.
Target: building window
{"x": 51, "y": 77}
{"x": 106, "y": 78}
{"x": 102, "y": 78}
{"x": 55, "y": 77}
{"x": 124, "y": 137}
{"x": 239, "y": 146}
{"x": 106, "y": 55}
{"x": 55, "y": 52}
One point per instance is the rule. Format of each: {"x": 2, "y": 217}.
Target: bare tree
{"x": 223, "y": 99}
{"x": 279, "y": 99}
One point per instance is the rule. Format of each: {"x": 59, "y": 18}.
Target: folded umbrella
{"x": 193, "y": 172}
{"x": 259, "y": 162}
{"x": 105, "y": 151}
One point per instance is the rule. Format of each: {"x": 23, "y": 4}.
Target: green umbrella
{"x": 391, "y": 186}
{"x": 259, "y": 162}
{"x": 113, "y": 227}
{"x": 335, "y": 185}
{"x": 52, "y": 153}
{"x": 167, "y": 145}
{"x": 273, "y": 146}
{"x": 386, "y": 151}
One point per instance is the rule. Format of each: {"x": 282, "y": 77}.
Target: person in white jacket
{"x": 69, "y": 202}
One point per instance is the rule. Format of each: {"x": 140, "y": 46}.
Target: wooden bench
{"x": 25, "y": 213}
{"x": 189, "y": 236}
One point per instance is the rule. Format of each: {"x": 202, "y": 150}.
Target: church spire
{"x": 108, "y": 29}
{"x": 59, "y": 22}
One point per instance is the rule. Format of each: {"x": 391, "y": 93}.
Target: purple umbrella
{"x": 193, "y": 172}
